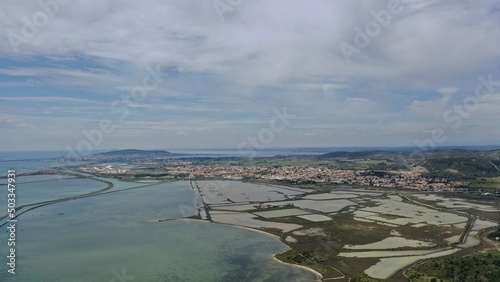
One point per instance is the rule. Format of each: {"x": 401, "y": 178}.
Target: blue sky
{"x": 220, "y": 71}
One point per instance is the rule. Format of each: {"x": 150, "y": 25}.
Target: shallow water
{"x": 388, "y": 266}
{"x": 227, "y": 192}
{"x": 391, "y": 243}
{"x": 103, "y": 237}
{"x": 39, "y": 188}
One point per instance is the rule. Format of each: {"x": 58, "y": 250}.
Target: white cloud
{"x": 266, "y": 42}
{"x": 47, "y": 99}
{"x": 447, "y": 91}
{"x": 264, "y": 54}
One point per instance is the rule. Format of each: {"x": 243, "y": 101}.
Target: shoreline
{"x": 319, "y": 276}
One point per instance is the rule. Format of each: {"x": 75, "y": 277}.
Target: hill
{"x": 452, "y": 163}
{"x": 130, "y": 155}
{"x": 128, "y": 152}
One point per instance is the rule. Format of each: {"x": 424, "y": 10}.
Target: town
{"x": 177, "y": 169}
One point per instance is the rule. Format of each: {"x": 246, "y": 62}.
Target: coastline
{"x": 319, "y": 276}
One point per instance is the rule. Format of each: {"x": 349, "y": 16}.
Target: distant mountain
{"x": 494, "y": 153}
{"x": 431, "y": 154}
{"x": 128, "y": 152}
{"x": 130, "y": 155}
{"x": 357, "y": 155}
{"x": 465, "y": 163}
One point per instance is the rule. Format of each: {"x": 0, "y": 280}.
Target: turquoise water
{"x": 39, "y": 188}
{"x": 104, "y": 237}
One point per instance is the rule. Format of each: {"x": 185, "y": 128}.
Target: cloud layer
{"x": 226, "y": 64}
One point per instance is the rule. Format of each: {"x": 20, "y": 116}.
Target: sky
{"x": 92, "y": 75}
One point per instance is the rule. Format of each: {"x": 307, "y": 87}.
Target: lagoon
{"x": 96, "y": 238}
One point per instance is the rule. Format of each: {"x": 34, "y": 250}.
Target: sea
{"x": 132, "y": 232}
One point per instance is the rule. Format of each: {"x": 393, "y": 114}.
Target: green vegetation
{"x": 363, "y": 279}
{"x": 493, "y": 235}
{"x": 315, "y": 260}
{"x": 326, "y": 263}
{"x": 482, "y": 267}
{"x": 486, "y": 183}
{"x": 459, "y": 167}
